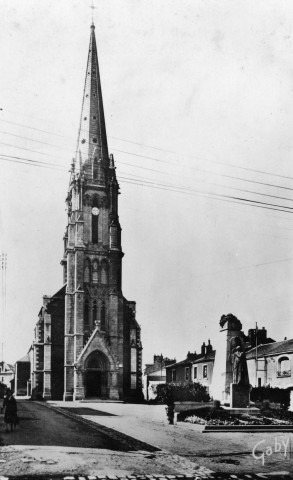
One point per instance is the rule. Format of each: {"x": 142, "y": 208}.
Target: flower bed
{"x": 220, "y": 417}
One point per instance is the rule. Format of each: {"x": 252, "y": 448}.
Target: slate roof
{"x": 276, "y": 348}
{"x": 198, "y": 359}
{"x": 206, "y": 358}
{"x": 26, "y": 358}
{"x": 182, "y": 363}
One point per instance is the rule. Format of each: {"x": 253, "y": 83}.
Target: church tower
{"x": 102, "y": 356}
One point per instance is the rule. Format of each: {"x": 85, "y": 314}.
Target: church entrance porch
{"x": 96, "y": 375}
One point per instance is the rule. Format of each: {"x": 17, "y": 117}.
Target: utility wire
{"x": 177, "y": 188}
{"x": 59, "y": 167}
{"x": 207, "y": 195}
{"x": 158, "y": 160}
{"x": 158, "y": 149}
{"x": 255, "y": 265}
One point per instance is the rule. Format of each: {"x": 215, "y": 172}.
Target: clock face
{"x": 95, "y": 211}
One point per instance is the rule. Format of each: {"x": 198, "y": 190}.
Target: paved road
{"x": 40, "y": 425}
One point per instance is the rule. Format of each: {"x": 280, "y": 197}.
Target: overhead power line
{"x": 179, "y": 189}
{"x": 160, "y": 149}
{"x": 254, "y": 265}
{"x": 156, "y": 159}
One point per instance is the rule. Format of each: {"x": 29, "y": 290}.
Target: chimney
{"x": 203, "y": 349}
{"x": 209, "y": 347}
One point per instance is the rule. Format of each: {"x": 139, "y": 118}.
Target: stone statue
{"x": 238, "y": 360}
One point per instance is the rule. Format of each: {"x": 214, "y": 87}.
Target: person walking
{"x": 10, "y": 411}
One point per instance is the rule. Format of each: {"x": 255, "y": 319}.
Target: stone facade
{"x": 89, "y": 329}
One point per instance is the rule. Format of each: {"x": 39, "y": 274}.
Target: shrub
{"x": 273, "y": 394}
{"x": 36, "y": 395}
{"x": 168, "y": 393}
{"x": 2, "y": 390}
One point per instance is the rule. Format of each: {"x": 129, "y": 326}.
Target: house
{"x": 195, "y": 368}
{"x": 22, "y": 376}
{"x": 155, "y": 373}
{"x": 6, "y": 373}
{"x": 271, "y": 364}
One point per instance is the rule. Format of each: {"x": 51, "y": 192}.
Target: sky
{"x": 198, "y": 100}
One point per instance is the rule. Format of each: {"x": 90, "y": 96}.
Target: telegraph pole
{"x": 256, "y": 359}
{"x": 3, "y": 263}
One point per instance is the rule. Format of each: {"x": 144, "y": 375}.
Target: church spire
{"x": 92, "y": 138}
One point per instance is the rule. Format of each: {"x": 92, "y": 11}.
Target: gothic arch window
{"x": 95, "y": 202}
{"x": 87, "y": 271}
{"x": 95, "y": 272}
{"x": 95, "y": 219}
{"x": 104, "y": 274}
{"x": 95, "y": 311}
{"x": 86, "y": 314}
{"x": 103, "y": 316}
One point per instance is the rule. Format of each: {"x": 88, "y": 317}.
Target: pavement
{"x": 158, "y": 450}
{"x": 233, "y": 453}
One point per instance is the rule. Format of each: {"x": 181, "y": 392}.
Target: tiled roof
{"x": 275, "y": 348}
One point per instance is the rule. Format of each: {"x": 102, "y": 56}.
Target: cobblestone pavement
{"x": 215, "y": 476}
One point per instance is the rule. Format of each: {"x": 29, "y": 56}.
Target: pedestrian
{"x": 9, "y": 408}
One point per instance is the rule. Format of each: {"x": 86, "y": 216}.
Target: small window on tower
{"x": 95, "y": 227}
{"x": 87, "y": 272}
{"x": 95, "y": 272}
{"x": 104, "y": 274}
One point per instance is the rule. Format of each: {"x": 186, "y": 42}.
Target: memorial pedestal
{"x": 239, "y": 395}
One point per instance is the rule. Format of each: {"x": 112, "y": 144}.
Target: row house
{"x": 195, "y": 368}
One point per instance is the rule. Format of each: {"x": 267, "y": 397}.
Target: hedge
{"x": 168, "y": 393}
{"x": 273, "y": 394}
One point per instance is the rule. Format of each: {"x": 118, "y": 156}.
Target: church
{"x": 87, "y": 341}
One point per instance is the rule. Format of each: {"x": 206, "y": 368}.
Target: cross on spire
{"x": 92, "y": 6}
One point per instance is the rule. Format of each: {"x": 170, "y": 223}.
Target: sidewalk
{"x": 220, "y": 452}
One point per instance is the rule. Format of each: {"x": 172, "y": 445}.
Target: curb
{"x": 247, "y": 428}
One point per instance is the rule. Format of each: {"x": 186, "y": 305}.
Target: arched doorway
{"x": 96, "y": 375}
